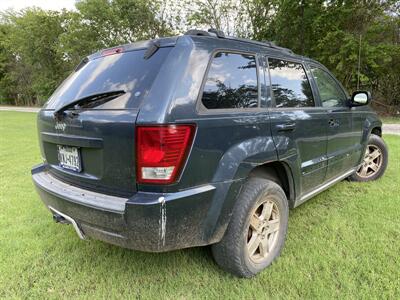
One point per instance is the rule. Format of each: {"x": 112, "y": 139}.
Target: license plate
{"x": 69, "y": 158}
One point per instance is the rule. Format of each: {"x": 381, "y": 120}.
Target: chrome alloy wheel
{"x": 263, "y": 231}
{"x": 372, "y": 162}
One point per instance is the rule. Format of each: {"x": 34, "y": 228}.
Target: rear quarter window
{"x": 231, "y": 82}
{"x": 127, "y": 71}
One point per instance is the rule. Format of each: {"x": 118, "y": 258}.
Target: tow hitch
{"x": 61, "y": 218}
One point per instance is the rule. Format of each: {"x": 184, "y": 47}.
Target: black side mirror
{"x": 360, "y": 98}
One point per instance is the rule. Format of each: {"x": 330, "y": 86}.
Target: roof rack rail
{"x": 220, "y": 34}
{"x": 197, "y": 32}
{"x": 210, "y": 32}
{"x": 273, "y": 45}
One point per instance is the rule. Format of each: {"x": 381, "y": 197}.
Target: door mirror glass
{"x": 360, "y": 98}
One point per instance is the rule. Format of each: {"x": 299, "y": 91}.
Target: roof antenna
{"x": 359, "y": 64}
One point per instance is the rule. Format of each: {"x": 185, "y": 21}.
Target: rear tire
{"x": 257, "y": 230}
{"x": 375, "y": 161}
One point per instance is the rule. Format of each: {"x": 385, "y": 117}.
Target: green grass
{"x": 343, "y": 243}
{"x": 390, "y": 120}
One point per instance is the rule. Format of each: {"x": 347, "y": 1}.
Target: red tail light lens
{"x": 161, "y": 151}
{"x": 112, "y": 51}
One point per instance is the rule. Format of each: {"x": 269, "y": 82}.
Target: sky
{"x": 45, "y": 4}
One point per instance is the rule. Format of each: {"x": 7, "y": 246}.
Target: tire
{"x": 367, "y": 171}
{"x": 257, "y": 198}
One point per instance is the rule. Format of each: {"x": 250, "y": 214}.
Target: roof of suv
{"x": 211, "y": 34}
{"x": 220, "y": 34}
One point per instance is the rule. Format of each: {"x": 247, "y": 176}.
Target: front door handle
{"x": 286, "y": 127}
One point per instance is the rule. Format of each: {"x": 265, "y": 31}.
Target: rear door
{"x": 342, "y": 150}
{"x": 94, "y": 147}
{"x": 298, "y": 124}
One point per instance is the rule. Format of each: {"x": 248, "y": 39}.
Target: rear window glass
{"x": 231, "y": 82}
{"x": 127, "y": 71}
{"x": 290, "y": 85}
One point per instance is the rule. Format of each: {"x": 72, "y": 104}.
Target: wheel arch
{"x": 371, "y": 126}
{"x": 276, "y": 171}
{"x": 377, "y": 130}
{"x": 280, "y": 173}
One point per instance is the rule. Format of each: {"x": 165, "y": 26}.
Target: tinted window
{"x": 127, "y": 71}
{"x": 290, "y": 85}
{"x": 330, "y": 92}
{"x": 231, "y": 82}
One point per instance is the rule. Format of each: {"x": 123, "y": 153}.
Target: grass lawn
{"x": 343, "y": 243}
{"x": 390, "y": 120}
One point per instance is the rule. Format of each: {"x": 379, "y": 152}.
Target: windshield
{"x": 127, "y": 71}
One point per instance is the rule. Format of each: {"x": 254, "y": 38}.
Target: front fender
{"x": 371, "y": 122}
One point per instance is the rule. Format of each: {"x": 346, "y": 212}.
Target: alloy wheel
{"x": 372, "y": 162}
{"x": 263, "y": 231}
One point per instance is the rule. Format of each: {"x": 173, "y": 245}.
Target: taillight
{"x": 112, "y": 51}
{"x": 161, "y": 152}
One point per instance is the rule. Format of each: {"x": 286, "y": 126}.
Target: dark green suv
{"x": 197, "y": 140}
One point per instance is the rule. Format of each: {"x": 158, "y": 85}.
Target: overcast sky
{"x": 45, "y": 4}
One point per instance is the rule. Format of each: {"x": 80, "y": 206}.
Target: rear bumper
{"x": 147, "y": 221}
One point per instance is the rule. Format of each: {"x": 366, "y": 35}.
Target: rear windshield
{"x": 127, "y": 71}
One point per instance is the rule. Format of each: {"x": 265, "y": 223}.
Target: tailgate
{"x": 92, "y": 146}
{"x": 104, "y": 140}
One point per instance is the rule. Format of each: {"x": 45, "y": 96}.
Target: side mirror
{"x": 360, "y": 98}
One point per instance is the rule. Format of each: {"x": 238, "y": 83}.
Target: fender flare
{"x": 233, "y": 169}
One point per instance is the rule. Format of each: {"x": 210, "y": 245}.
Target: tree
{"x": 39, "y": 48}
{"x": 7, "y": 93}
{"x": 103, "y": 23}
{"x": 329, "y": 31}
{"x": 33, "y": 64}
{"x": 227, "y": 15}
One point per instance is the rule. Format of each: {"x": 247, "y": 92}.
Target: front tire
{"x": 257, "y": 230}
{"x": 375, "y": 161}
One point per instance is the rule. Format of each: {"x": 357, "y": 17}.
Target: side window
{"x": 231, "y": 82}
{"x": 290, "y": 85}
{"x": 330, "y": 92}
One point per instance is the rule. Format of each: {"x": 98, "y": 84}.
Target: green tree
{"x": 100, "y": 24}
{"x": 329, "y": 31}
{"x": 39, "y": 48}
{"x": 33, "y": 64}
{"x": 229, "y": 16}
{"x": 7, "y": 93}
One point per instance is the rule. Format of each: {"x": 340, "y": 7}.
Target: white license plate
{"x": 69, "y": 158}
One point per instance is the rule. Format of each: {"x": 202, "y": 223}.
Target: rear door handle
{"x": 334, "y": 123}
{"x": 286, "y": 127}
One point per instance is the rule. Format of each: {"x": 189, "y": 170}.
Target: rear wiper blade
{"x": 88, "y": 102}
